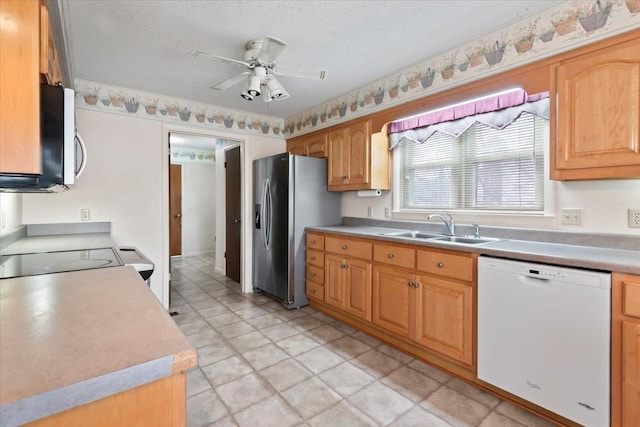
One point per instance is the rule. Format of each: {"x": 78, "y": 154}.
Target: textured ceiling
{"x": 144, "y": 45}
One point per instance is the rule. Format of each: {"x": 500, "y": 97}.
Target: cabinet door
{"x": 630, "y": 374}
{"x": 317, "y": 146}
{"x": 337, "y": 157}
{"x": 392, "y": 297}
{"x": 296, "y": 147}
{"x": 358, "y": 295}
{"x": 358, "y": 152}
{"x": 444, "y": 317}
{"x": 334, "y": 281}
{"x": 598, "y": 111}
{"x": 20, "y": 88}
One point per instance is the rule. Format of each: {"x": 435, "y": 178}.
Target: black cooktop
{"x": 56, "y": 262}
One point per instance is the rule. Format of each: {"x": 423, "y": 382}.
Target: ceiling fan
{"x": 259, "y": 60}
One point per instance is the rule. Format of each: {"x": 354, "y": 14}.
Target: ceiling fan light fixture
{"x": 254, "y": 86}
{"x": 245, "y": 92}
{"x": 275, "y": 90}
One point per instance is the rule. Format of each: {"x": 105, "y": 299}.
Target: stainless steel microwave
{"x": 63, "y": 152}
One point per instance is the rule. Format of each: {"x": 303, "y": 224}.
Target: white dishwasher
{"x": 544, "y": 335}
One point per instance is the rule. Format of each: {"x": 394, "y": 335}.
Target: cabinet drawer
{"x": 315, "y": 290}
{"x": 449, "y": 265}
{"x": 354, "y": 248}
{"x": 315, "y": 241}
{"x": 315, "y": 258}
{"x": 315, "y": 273}
{"x": 394, "y": 255}
{"x": 631, "y": 299}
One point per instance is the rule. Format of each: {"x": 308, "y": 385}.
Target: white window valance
{"x": 497, "y": 111}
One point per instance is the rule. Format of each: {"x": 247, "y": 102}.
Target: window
{"x": 483, "y": 169}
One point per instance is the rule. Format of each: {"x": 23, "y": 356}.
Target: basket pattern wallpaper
{"x": 569, "y": 25}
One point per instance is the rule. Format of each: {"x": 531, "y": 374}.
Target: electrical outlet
{"x": 387, "y": 212}
{"x": 370, "y": 211}
{"x": 85, "y": 215}
{"x": 571, "y": 216}
{"x": 634, "y": 218}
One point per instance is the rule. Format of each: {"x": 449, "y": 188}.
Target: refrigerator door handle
{"x": 263, "y": 213}
{"x": 269, "y": 211}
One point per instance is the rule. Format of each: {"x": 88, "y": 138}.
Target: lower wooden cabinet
{"x": 421, "y": 295}
{"x": 393, "y": 300}
{"x": 625, "y": 360}
{"x": 444, "y": 317}
{"x": 435, "y": 313}
{"x": 348, "y": 285}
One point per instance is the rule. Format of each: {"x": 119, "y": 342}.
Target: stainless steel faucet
{"x": 451, "y": 226}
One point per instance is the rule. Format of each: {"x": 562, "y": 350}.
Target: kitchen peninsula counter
{"x": 68, "y": 339}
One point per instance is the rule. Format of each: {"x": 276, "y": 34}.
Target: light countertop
{"x": 62, "y": 242}
{"x": 71, "y": 338}
{"x": 599, "y": 258}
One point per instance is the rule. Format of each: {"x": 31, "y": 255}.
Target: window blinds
{"x": 482, "y": 169}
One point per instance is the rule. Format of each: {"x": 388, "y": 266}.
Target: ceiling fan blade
{"x": 295, "y": 71}
{"x": 271, "y": 48}
{"x": 197, "y": 53}
{"x": 232, "y": 81}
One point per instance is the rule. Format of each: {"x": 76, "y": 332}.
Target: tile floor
{"x": 263, "y": 365}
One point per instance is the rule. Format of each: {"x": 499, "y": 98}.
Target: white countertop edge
{"x": 52, "y": 402}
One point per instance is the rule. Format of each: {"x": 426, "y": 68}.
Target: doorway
{"x": 233, "y": 213}
{"x": 177, "y": 137}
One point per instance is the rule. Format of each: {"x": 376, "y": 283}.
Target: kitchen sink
{"x": 413, "y": 235}
{"x": 466, "y": 240}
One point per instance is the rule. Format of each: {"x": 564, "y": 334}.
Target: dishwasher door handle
{"x": 534, "y": 280}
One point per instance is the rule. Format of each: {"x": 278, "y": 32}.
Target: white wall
{"x": 604, "y": 204}
{"x": 122, "y": 183}
{"x": 126, "y": 182}
{"x": 10, "y": 212}
{"x": 198, "y": 208}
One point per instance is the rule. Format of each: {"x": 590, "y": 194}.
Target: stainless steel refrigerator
{"x": 289, "y": 193}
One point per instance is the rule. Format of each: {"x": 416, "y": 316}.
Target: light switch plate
{"x": 634, "y": 218}
{"x": 85, "y": 214}
{"x": 571, "y": 216}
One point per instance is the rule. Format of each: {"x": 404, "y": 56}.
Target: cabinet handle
{"x": 313, "y": 274}
{"x": 313, "y": 291}
{"x": 344, "y": 266}
{"x": 410, "y": 283}
{"x": 313, "y": 242}
{"x": 416, "y": 284}
{"x": 344, "y": 247}
{"x": 390, "y": 256}
{"x": 313, "y": 258}
{"x": 440, "y": 265}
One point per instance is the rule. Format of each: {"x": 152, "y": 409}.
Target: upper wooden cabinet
{"x": 597, "y": 114}
{"x": 312, "y": 146}
{"x": 316, "y": 146}
{"x": 296, "y": 146}
{"x": 358, "y": 159}
{"x": 49, "y": 61}
{"x": 20, "y": 87}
